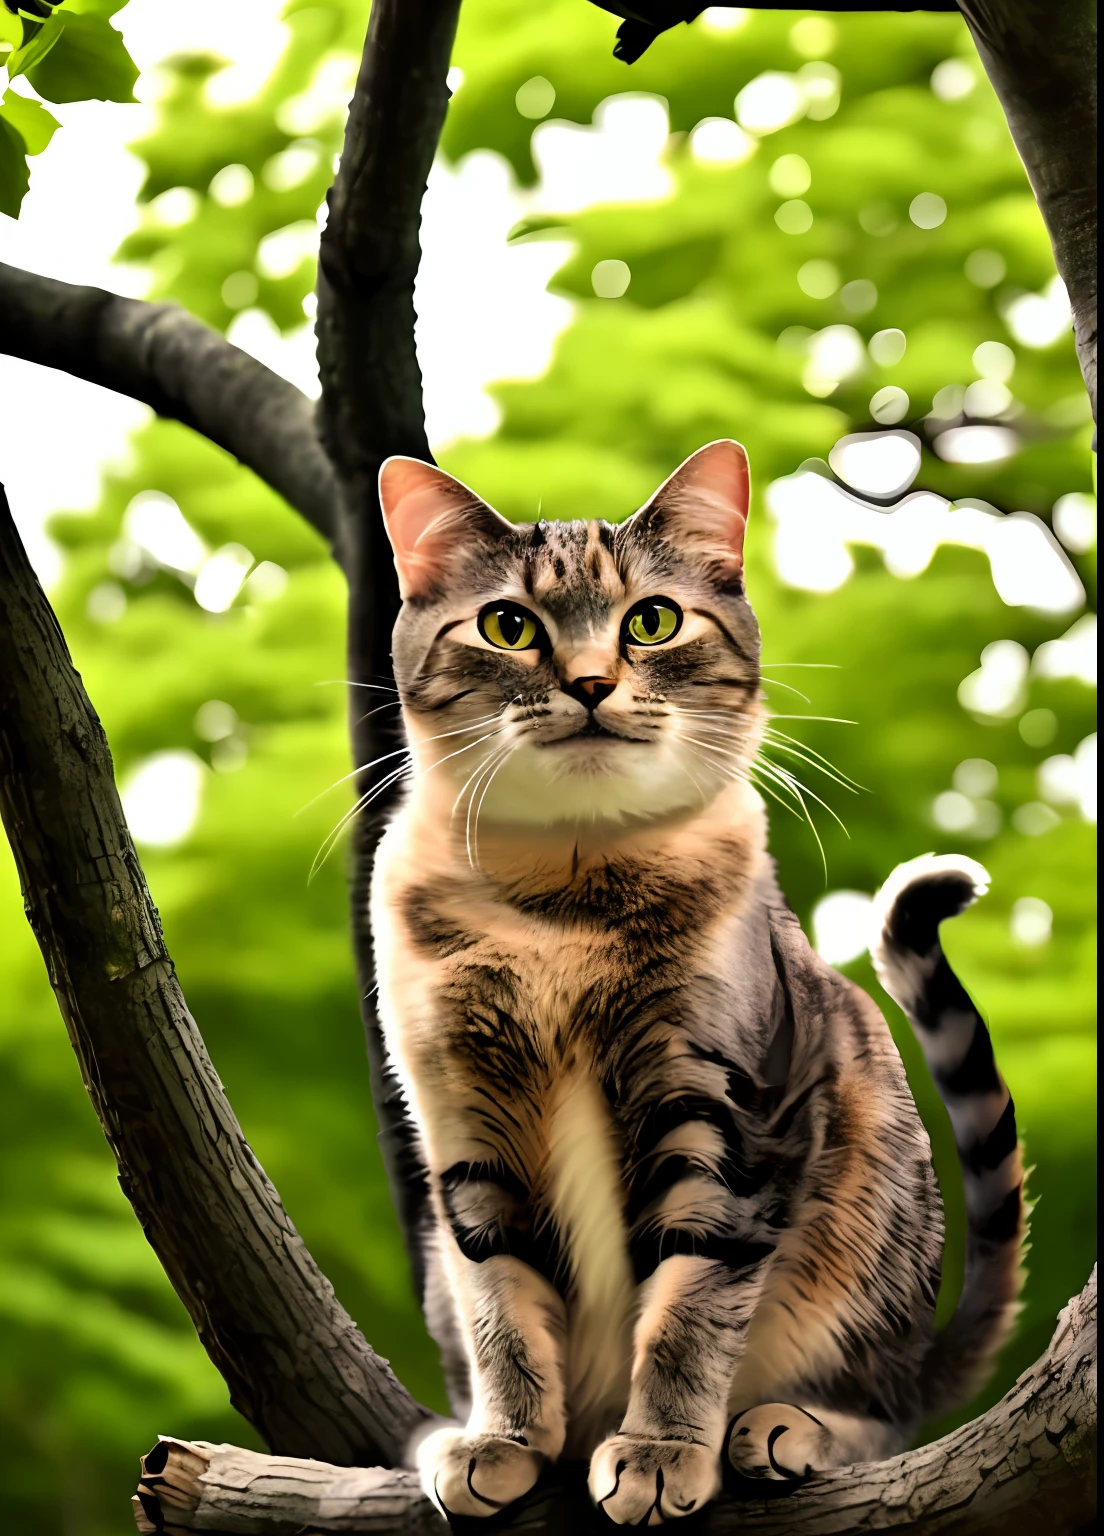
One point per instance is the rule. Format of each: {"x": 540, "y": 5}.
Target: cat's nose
{"x": 589, "y": 691}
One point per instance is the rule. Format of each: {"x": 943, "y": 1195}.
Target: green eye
{"x": 509, "y": 626}
{"x": 653, "y": 621}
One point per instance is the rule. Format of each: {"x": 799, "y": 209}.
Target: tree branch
{"x": 1041, "y": 60}
{"x": 371, "y": 407}
{"x": 1025, "y": 1466}
{"x": 296, "y": 1366}
{"x": 184, "y": 370}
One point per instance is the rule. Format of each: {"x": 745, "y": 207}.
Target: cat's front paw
{"x": 475, "y": 1474}
{"x": 645, "y": 1482}
{"x": 778, "y": 1442}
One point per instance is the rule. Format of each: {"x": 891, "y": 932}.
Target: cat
{"x": 682, "y": 1209}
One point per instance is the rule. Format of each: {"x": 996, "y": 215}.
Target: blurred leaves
{"x": 713, "y": 337}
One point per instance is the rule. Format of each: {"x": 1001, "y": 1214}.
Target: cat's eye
{"x": 653, "y": 621}
{"x": 508, "y": 626}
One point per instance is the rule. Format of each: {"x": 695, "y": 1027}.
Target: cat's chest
{"x": 507, "y": 995}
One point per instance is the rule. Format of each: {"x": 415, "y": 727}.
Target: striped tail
{"x": 914, "y": 971}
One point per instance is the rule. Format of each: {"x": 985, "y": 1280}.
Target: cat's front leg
{"x": 514, "y": 1328}
{"x": 664, "y": 1462}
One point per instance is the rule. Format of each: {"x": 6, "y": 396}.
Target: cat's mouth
{"x": 593, "y": 730}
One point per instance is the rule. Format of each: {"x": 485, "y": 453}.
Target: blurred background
{"x": 791, "y": 228}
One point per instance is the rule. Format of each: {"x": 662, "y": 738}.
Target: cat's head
{"x": 574, "y": 671}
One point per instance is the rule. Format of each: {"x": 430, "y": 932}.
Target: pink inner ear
{"x": 413, "y": 495}
{"x": 418, "y": 501}
{"x": 706, "y": 501}
{"x": 720, "y": 470}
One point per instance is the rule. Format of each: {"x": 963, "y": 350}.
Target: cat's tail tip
{"x": 911, "y": 965}
{"x": 917, "y": 897}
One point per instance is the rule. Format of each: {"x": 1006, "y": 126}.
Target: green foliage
{"x": 88, "y": 63}
{"x": 25, "y": 129}
{"x": 96, "y": 1355}
{"x": 70, "y": 55}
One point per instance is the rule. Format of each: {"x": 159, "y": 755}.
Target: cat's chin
{"x": 593, "y": 778}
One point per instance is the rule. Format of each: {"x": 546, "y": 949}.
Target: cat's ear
{"x": 703, "y": 508}
{"x": 430, "y": 518}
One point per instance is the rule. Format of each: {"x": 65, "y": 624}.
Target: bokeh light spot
{"x": 953, "y": 79}
{"x": 927, "y": 210}
{"x": 985, "y": 269}
{"x": 794, "y": 217}
{"x": 1032, "y": 922}
{"x": 818, "y": 279}
{"x": 610, "y": 279}
{"x": 889, "y": 405}
{"x": 536, "y": 97}
{"x": 790, "y": 176}
{"x": 842, "y": 926}
{"x": 887, "y": 347}
{"x": 161, "y": 798}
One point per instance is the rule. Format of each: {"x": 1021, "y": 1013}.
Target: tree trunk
{"x": 296, "y": 1366}
{"x": 1026, "y": 1466}
{"x": 371, "y": 407}
{"x": 1040, "y": 56}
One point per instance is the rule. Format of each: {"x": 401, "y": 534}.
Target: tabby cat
{"x": 682, "y": 1210}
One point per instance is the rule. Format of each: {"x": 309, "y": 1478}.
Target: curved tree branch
{"x": 371, "y": 407}
{"x": 1026, "y": 1466}
{"x": 184, "y": 370}
{"x": 1041, "y": 60}
{"x": 296, "y": 1366}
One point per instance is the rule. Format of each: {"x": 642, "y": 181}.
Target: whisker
{"x": 500, "y": 762}
{"x": 828, "y": 772}
{"x": 776, "y": 682}
{"x": 347, "y": 682}
{"x": 794, "y": 789}
{"x": 390, "y": 704}
{"x": 773, "y": 666}
{"x": 386, "y": 756}
{"x": 365, "y": 800}
{"x": 377, "y": 789}
{"x": 827, "y": 719}
{"x": 797, "y": 784}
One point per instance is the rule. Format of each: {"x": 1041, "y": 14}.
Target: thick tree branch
{"x": 296, "y": 1366}
{"x": 1026, "y": 1466}
{"x": 1041, "y": 60}
{"x": 184, "y": 370}
{"x": 371, "y": 407}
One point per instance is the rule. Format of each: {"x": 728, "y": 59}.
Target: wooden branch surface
{"x": 1040, "y": 57}
{"x": 1025, "y": 1467}
{"x": 182, "y": 369}
{"x": 296, "y": 1366}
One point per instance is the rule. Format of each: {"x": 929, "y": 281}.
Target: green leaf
{"x": 14, "y": 175}
{"x": 537, "y": 228}
{"x": 30, "y": 119}
{"x": 36, "y": 49}
{"x": 11, "y": 31}
{"x": 103, "y": 8}
{"x": 90, "y": 63}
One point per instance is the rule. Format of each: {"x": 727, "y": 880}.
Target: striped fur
{"x": 912, "y": 967}
{"x": 679, "y": 1207}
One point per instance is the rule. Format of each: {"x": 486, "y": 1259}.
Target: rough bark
{"x": 371, "y": 407}
{"x": 1041, "y": 60}
{"x": 296, "y": 1366}
{"x": 182, "y": 369}
{"x": 1026, "y": 1466}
